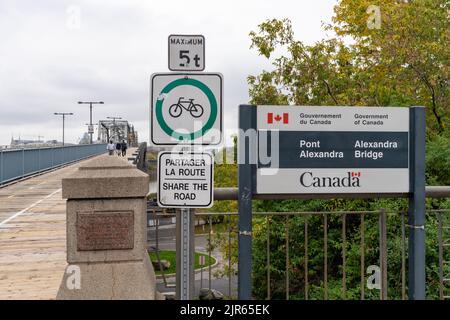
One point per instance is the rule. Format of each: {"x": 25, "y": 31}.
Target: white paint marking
{"x": 28, "y": 208}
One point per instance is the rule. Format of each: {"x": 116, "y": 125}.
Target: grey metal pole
{"x": 1, "y": 168}
{"x": 63, "y": 114}
{"x": 383, "y": 254}
{"x": 185, "y": 255}
{"x": 416, "y": 214}
{"x": 23, "y": 161}
{"x": 64, "y": 118}
{"x": 247, "y": 121}
{"x": 90, "y": 119}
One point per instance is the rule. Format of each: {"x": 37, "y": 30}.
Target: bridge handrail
{"x": 19, "y": 163}
{"x": 141, "y": 158}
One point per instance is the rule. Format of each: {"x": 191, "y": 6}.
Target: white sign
{"x": 311, "y": 118}
{"x": 90, "y": 128}
{"x": 186, "y": 108}
{"x": 186, "y": 52}
{"x": 185, "y": 179}
{"x": 332, "y": 150}
{"x": 356, "y": 180}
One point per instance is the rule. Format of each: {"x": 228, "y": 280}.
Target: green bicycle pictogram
{"x": 182, "y": 135}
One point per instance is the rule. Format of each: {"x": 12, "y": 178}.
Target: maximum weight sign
{"x": 186, "y": 108}
{"x": 186, "y": 52}
{"x": 185, "y": 179}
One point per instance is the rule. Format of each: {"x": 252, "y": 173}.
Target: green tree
{"x": 401, "y": 62}
{"x": 383, "y": 53}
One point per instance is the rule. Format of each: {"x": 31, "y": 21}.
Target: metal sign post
{"x": 416, "y": 211}
{"x": 185, "y": 255}
{"x": 186, "y": 111}
{"x": 246, "y": 174}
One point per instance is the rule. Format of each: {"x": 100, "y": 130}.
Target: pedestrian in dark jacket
{"x": 118, "y": 148}
{"x": 124, "y": 148}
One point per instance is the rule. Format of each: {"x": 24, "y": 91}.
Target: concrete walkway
{"x": 33, "y": 236}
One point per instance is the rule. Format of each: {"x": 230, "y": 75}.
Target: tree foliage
{"x": 401, "y": 61}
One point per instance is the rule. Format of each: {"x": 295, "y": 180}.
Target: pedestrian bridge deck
{"x": 33, "y": 235}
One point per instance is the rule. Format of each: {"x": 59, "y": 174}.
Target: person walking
{"x": 118, "y": 148}
{"x": 124, "y": 148}
{"x": 110, "y": 147}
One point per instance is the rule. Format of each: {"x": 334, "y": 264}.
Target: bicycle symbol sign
{"x": 186, "y": 108}
{"x": 176, "y": 109}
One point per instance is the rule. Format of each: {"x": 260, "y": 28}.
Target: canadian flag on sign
{"x": 277, "y": 118}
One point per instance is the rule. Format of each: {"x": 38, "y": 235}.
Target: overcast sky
{"x": 50, "y": 59}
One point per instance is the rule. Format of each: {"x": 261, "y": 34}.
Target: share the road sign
{"x": 186, "y": 108}
{"x": 332, "y": 149}
{"x": 185, "y": 179}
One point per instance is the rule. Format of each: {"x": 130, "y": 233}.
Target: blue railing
{"x": 19, "y": 163}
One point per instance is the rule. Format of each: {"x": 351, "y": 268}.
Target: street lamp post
{"x": 63, "y": 114}
{"x": 90, "y": 111}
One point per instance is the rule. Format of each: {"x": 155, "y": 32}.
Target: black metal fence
{"x": 305, "y": 271}
{"x": 140, "y": 157}
{"x": 322, "y": 255}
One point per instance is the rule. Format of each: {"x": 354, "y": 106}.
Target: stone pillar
{"x": 107, "y": 233}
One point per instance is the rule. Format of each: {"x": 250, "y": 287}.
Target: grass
{"x": 171, "y": 257}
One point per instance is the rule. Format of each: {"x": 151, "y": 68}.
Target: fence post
{"x": 39, "y": 159}
{"x": 441, "y": 257}
{"x": 247, "y": 124}
{"x": 344, "y": 256}
{"x": 325, "y": 257}
{"x": 416, "y": 214}
{"x": 1, "y": 169}
{"x": 362, "y": 258}
{"x": 286, "y": 226}
{"x": 23, "y": 162}
{"x": 268, "y": 256}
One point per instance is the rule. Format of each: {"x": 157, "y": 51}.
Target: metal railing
{"x": 16, "y": 164}
{"x": 273, "y": 235}
{"x": 351, "y": 255}
{"x": 140, "y": 160}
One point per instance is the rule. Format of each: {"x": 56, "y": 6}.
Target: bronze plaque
{"x": 105, "y": 230}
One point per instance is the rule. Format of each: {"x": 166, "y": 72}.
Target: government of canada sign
{"x": 332, "y": 149}
{"x": 185, "y": 179}
{"x": 186, "y": 108}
